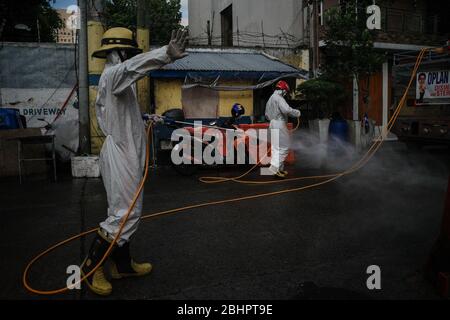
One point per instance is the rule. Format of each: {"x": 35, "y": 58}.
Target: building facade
{"x": 249, "y": 23}
{"x": 65, "y": 35}
{"x": 225, "y": 68}
{"x": 406, "y": 26}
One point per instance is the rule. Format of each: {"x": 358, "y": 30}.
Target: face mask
{"x": 113, "y": 58}
{"x": 122, "y": 55}
{"x": 283, "y": 93}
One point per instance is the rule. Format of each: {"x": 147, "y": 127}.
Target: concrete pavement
{"x": 386, "y": 214}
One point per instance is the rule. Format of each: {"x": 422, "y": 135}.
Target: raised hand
{"x": 177, "y": 45}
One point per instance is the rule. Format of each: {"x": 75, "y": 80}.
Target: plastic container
{"x": 339, "y": 129}
{"x": 9, "y": 119}
{"x": 85, "y": 167}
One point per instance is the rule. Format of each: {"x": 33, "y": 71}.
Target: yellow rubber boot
{"x": 97, "y": 282}
{"x": 280, "y": 175}
{"x": 123, "y": 266}
{"x": 138, "y": 270}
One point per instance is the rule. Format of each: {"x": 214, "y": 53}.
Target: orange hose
{"x": 108, "y": 252}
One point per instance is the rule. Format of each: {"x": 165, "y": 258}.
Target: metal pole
{"x": 141, "y": 14}
{"x": 262, "y": 32}
{"x": 237, "y": 25}
{"x": 83, "y": 110}
{"x": 38, "y": 31}
{"x": 143, "y": 40}
{"x": 208, "y": 31}
{"x": 95, "y": 32}
{"x": 315, "y": 39}
{"x": 311, "y": 38}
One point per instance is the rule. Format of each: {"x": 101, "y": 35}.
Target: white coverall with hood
{"x": 278, "y": 111}
{"x": 122, "y": 158}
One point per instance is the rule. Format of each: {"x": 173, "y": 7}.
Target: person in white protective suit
{"x": 278, "y": 111}
{"x": 122, "y": 158}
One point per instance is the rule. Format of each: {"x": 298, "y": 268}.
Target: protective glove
{"x": 177, "y": 45}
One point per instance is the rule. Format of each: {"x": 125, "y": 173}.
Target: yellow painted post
{"x": 96, "y": 66}
{"x": 167, "y": 94}
{"x": 143, "y": 86}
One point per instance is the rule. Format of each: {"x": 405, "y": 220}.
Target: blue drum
{"x": 339, "y": 129}
{"x": 9, "y": 118}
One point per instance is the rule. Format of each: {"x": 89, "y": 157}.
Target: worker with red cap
{"x": 278, "y": 111}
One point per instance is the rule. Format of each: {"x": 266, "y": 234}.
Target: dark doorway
{"x": 227, "y": 26}
{"x": 260, "y": 98}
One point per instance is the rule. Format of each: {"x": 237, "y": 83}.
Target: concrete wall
{"x": 36, "y": 79}
{"x": 168, "y": 96}
{"x": 229, "y": 98}
{"x": 280, "y": 19}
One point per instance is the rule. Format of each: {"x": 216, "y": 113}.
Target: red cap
{"x": 282, "y": 85}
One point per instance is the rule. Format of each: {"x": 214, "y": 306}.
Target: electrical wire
{"x": 249, "y": 37}
{"x": 53, "y": 93}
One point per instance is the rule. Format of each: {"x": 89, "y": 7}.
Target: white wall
{"x": 200, "y": 11}
{"x": 35, "y": 104}
{"x": 280, "y": 18}
{"x": 38, "y": 79}
{"x": 46, "y": 103}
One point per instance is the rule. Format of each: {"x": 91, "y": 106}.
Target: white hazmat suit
{"x": 122, "y": 158}
{"x": 278, "y": 111}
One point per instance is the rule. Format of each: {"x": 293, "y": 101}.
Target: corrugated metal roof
{"x": 229, "y": 61}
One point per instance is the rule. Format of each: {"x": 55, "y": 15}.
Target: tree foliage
{"x": 120, "y": 13}
{"x": 349, "y": 44}
{"x": 162, "y": 16}
{"x": 322, "y": 94}
{"x": 21, "y": 21}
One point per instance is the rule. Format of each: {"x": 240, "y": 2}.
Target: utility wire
{"x": 54, "y": 92}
